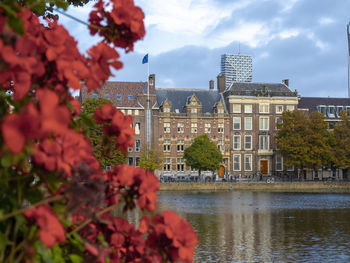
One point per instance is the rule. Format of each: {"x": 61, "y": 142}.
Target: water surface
{"x": 243, "y": 226}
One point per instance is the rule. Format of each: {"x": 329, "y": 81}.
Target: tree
{"x": 303, "y": 140}
{"x": 150, "y": 159}
{"x": 105, "y": 152}
{"x": 203, "y": 155}
{"x": 57, "y": 204}
{"x": 342, "y": 142}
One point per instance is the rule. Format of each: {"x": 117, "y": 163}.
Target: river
{"x": 243, "y": 226}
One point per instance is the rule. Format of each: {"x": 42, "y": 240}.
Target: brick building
{"x": 240, "y": 119}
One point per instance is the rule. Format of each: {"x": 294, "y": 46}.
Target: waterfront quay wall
{"x": 260, "y": 186}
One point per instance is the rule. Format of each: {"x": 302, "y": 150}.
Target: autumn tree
{"x": 150, "y": 159}
{"x": 342, "y": 142}
{"x": 203, "y": 154}
{"x": 303, "y": 140}
{"x": 103, "y": 148}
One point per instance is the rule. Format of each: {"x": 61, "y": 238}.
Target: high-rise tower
{"x": 236, "y": 68}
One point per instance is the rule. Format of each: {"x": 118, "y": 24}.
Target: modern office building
{"x": 236, "y": 68}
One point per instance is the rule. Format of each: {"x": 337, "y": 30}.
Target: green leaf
{"x": 75, "y": 258}
{"x": 16, "y": 24}
{"x": 62, "y": 4}
{"x": 6, "y": 161}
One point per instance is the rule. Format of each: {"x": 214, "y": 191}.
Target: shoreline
{"x": 322, "y": 187}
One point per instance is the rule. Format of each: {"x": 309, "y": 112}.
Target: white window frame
{"x": 180, "y": 127}
{"x": 250, "y": 163}
{"x": 221, "y": 145}
{"x": 262, "y": 124}
{"x": 166, "y": 127}
{"x": 236, "y": 108}
{"x": 194, "y": 127}
{"x": 245, "y": 123}
{"x": 245, "y": 142}
{"x": 264, "y": 108}
{"x": 221, "y": 127}
{"x": 166, "y": 145}
{"x": 236, "y": 144}
{"x": 137, "y": 128}
{"x": 234, "y": 162}
{"x": 194, "y": 110}
{"x": 180, "y": 145}
{"x": 166, "y": 109}
{"x": 279, "y": 109}
{"x": 261, "y": 143}
{"x": 234, "y": 122}
{"x": 137, "y": 145}
{"x": 136, "y": 112}
{"x": 167, "y": 164}
{"x": 180, "y": 164}
{"x": 279, "y": 157}
{"x": 207, "y": 128}
{"x": 248, "y": 108}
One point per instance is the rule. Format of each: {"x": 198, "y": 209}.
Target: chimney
{"x": 221, "y": 83}
{"x": 152, "y": 80}
{"x": 286, "y": 82}
{"x": 211, "y": 84}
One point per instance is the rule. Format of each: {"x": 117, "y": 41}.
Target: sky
{"x": 304, "y": 41}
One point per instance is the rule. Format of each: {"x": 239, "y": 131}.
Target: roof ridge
{"x": 184, "y": 89}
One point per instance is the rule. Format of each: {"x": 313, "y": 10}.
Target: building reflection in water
{"x": 265, "y": 227}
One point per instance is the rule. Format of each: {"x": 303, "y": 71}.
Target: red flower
{"x": 174, "y": 236}
{"x": 51, "y": 230}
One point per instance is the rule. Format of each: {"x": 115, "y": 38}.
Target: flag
{"x": 145, "y": 59}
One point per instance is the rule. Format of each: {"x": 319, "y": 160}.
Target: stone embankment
{"x": 254, "y": 186}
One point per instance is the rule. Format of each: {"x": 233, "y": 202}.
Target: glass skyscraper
{"x": 236, "y": 68}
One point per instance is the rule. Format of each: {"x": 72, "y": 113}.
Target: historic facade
{"x": 240, "y": 119}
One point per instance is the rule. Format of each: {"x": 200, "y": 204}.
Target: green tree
{"x": 150, "y": 159}
{"x": 342, "y": 142}
{"x": 105, "y": 153}
{"x": 203, "y": 155}
{"x": 304, "y": 141}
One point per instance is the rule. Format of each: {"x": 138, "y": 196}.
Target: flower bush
{"x": 56, "y": 203}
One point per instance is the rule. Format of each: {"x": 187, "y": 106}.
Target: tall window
{"x": 236, "y": 123}
{"x": 207, "y": 127}
{"x": 193, "y": 127}
{"x": 166, "y": 146}
{"x": 137, "y": 145}
{"x": 166, "y": 126}
{"x": 237, "y": 142}
{"x": 279, "y": 109}
{"x": 180, "y": 127}
{"x": 264, "y": 108}
{"x": 180, "y": 164}
{"x": 221, "y": 146}
{"x": 220, "y": 127}
{"x": 180, "y": 145}
{"x": 137, "y": 161}
{"x": 278, "y": 121}
{"x": 236, "y": 162}
{"x": 264, "y": 123}
{"x": 248, "y": 162}
{"x": 248, "y": 142}
{"x": 137, "y": 128}
{"x": 248, "y": 108}
{"x": 248, "y": 123}
{"x": 167, "y": 164}
{"x": 263, "y": 142}
{"x": 236, "y": 108}
{"x": 131, "y": 161}
{"x": 279, "y": 163}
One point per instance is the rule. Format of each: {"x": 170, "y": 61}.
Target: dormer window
{"x": 220, "y": 110}
{"x": 144, "y": 89}
{"x": 94, "y": 95}
{"x": 194, "y": 110}
{"x": 118, "y": 96}
{"x": 107, "y": 96}
{"x": 166, "y": 109}
{"x": 331, "y": 111}
{"x": 130, "y": 97}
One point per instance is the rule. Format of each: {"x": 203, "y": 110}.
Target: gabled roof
{"x": 127, "y": 90}
{"x": 259, "y": 89}
{"x": 311, "y": 103}
{"x": 178, "y": 98}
